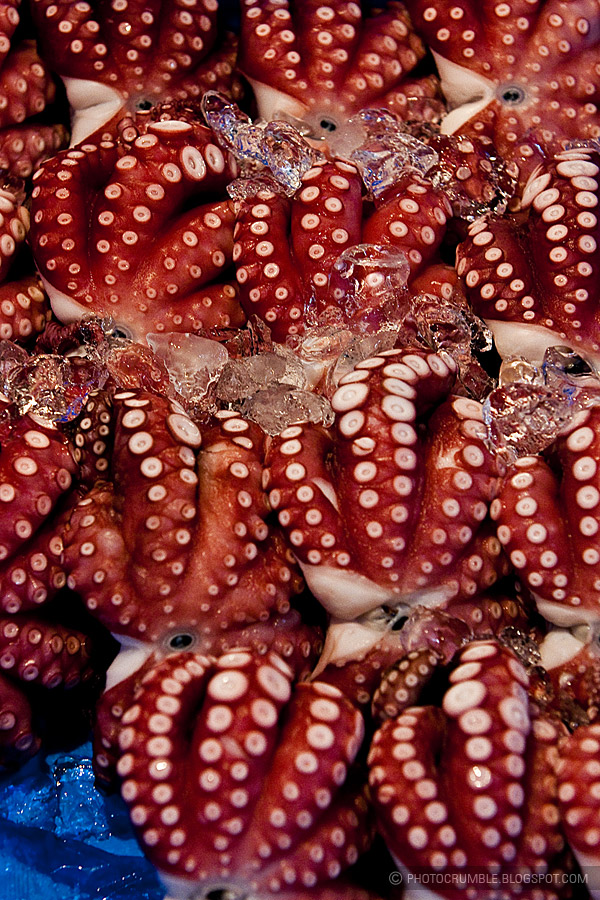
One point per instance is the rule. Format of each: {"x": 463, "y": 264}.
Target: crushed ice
{"x": 532, "y": 405}
{"x": 276, "y": 146}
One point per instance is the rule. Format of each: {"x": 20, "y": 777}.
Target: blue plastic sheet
{"x": 62, "y": 839}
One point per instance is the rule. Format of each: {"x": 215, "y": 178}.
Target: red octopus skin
{"x": 273, "y": 808}
{"x": 280, "y": 279}
{"x": 14, "y": 227}
{"x": 392, "y": 666}
{"x": 390, "y": 507}
{"x": 24, "y": 309}
{"x": 35, "y": 652}
{"x": 547, "y": 520}
{"x": 510, "y": 70}
{"x": 538, "y": 270}
{"x": 114, "y": 59}
{"x": 286, "y": 635}
{"x": 27, "y": 89}
{"x": 573, "y": 670}
{"x": 136, "y": 234}
{"x": 578, "y": 787}
{"x": 412, "y": 216}
{"x": 37, "y": 469}
{"x": 173, "y": 539}
{"x": 450, "y": 784}
{"x": 24, "y": 147}
{"x": 321, "y": 64}
{"x": 285, "y": 250}
{"x": 37, "y": 476}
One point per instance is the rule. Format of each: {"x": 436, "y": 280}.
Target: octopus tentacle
{"x": 25, "y": 85}
{"x": 577, "y": 773}
{"x": 14, "y": 227}
{"x": 113, "y": 60}
{"x": 178, "y": 541}
{"x": 24, "y": 309}
{"x": 18, "y": 741}
{"x": 321, "y": 64}
{"x": 130, "y": 234}
{"x": 39, "y": 652}
{"x": 449, "y": 784}
{"x": 24, "y": 147}
{"x": 412, "y": 216}
{"x": 549, "y": 527}
{"x": 374, "y": 526}
{"x": 403, "y": 682}
{"x": 283, "y": 283}
{"x": 250, "y": 775}
{"x": 539, "y": 273}
{"x": 295, "y": 642}
{"x": 512, "y": 70}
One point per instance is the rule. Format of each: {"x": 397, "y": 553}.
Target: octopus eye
{"x": 566, "y": 360}
{"x": 512, "y": 95}
{"x": 143, "y": 105}
{"x": 121, "y": 331}
{"x": 398, "y": 623}
{"x": 224, "y": 894}
{"x": 327, "y": 125}
{"x": 181, "y": 641}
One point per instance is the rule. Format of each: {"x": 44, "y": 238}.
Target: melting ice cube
{"x": 194, "y": 364}
{"x": 52, "y": 386}
{"x": 531, "y": 407}
{"x": 279, "y": 406}
{"x": 370, "y": 277}
{"x": 387, "y": 150}
{"x": 241, "y": 378}
{"x": 276, "y": 145}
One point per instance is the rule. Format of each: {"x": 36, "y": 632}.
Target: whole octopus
{"x": 361, "y": 649}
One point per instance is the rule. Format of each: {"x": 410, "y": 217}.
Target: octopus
{"x": 27, "y": 90}
{"x": 391, "y": 506}
{"x": 472, "y": 781}
{"x": 133, "y": 231}
{"x": 292, "y": 258}
{"x": 116, "y": 59}
{"x": 520, "y": 73}
{"x": 238, "y": 779}
{"x": 531, "y": 276}
{"x": 546, "y": 516}
{"x": 317, "y": 65}
{"x": 39, "y": 654}
{"x": 24, "y": 306}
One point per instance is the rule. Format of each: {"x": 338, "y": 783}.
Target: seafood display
{"x": 300, "y": 440}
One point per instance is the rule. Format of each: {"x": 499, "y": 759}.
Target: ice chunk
{"x": 455, "y": 330}
{"x": 11, "y": 356}
{"x": 241, "y": 378}
{"x": 523, "y": 419}
{"x": 194, "y": 365}
{"x": 387, "y": 150}
{"x": 569, "y": 374}
{"x": 532, "y": 405}
{"x": 360, "y": 347}
{"x": 367, "y": 285}
{"x": 278, "y": 406}
{"x": 133, "y": 365}
{"x": 473, "y": 176}
{"x": 80, "y": 807}
{"x": 52, "y": 386}
{"x": 277, "y": 145}
{"x": 522, "y": 644}
{"x": 255, "y": 187}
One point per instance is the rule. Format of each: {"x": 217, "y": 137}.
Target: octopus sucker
{"x": 405, "y": 526}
